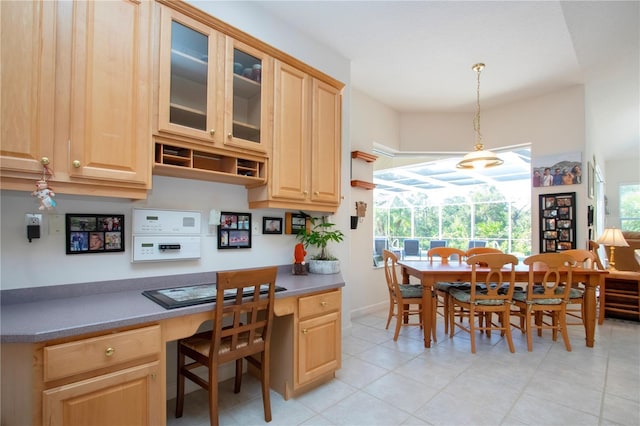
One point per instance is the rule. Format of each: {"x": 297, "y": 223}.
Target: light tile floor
{"x": 383, "y": 382}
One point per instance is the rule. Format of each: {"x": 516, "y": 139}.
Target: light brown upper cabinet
{"x": 110, "y": 92}
{"x": 189, "y": 78}
{"x": 304, "y": 171}
{"x": 28, "y": 58}
{"x": 211, "y": 89}
{"x": 77, "y": 94}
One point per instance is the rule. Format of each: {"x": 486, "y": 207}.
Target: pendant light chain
{"x": 476, "y": 120}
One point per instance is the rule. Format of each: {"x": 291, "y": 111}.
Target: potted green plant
{"x": 319, "y": 235}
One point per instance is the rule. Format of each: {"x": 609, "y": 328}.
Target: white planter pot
{"x": 324, "y": 266}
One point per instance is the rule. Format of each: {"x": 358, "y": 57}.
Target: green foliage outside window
{"x": 482, "y": 213}
{"x": 630, "y": 207}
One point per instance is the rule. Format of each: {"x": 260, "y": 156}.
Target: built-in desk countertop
{"x": 73, "y": 321}
{"x": 39, "y": 314}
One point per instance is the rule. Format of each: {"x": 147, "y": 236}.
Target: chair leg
{"x": 180, "y": 385}
{"x": 507, "y": 330}
{"x": 238, "y": 381}
{"x": 472, "y": 329}
{"x": 529, "y": 327}
{"x": 213, "y": 396}
{"x": 398, "y": 324}
{"x": 264, "y": 378}
{"x": 434, "y": 315}
{"x": 445, "y": 308}
{"x": 391, "y": 303}
{"x": 565, "y": 334}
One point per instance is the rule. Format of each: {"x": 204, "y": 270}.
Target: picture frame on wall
{"x": 94, "y": 233}
{"x": 234, "y": 231}
{"x": 271, "y": 225}
{"x": 295, "y": 222}
{"x": 557, "y": 222}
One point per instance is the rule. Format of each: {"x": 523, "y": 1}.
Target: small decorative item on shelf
{"x": 299, "y": 266}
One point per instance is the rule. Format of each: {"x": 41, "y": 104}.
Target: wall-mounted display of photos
{"x": 557, "y": 222}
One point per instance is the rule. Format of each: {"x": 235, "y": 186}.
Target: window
{"x": 435, "y": 201}
{"x": 630, "y": 207}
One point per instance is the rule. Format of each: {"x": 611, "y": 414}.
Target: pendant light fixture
{"x": 479, "y": 158}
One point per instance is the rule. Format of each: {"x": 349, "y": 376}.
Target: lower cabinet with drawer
{"x": 306, "y": 342}
{"x": 112, "y": 379}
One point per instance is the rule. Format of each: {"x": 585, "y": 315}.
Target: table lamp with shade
{"x": 613, "y": 238}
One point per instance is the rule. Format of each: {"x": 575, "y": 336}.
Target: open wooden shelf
{"x": 369, "y": 158}
{"x": 362, "y": 184}
{"x": 171, "y": 160}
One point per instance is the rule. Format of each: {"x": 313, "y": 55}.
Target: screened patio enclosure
{"x": 434, "y": 200}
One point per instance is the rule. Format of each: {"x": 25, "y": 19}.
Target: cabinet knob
{"x": 212, "y": 132}
{"x": 44, "y": 161}
{"x": 304, "y": 331}
{"x": 109, "y": 351}
{"x": 316, "y": 192}
{"x": 305, "y": 192}
{"x": 323, "y": 303}
{"x": 230, "y": 135}
{"x": 76, "y": 163}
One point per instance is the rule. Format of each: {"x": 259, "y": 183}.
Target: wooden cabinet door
{"x": 110, "y": 134}
{"x": 127, "y": 397}
{"x": 326, "y": 145}
{"x": 190, "y": 78}
{"x": 319, "y": 347}
{"x": 290, "y": 152}
{"x": 248, "y": 95}
{"x": 26, "y": 85}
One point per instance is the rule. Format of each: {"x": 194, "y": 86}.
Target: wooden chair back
{"x": 446, "y": 254}
{"x": 242, "y": 326}
{"x": 390, "y": 261}
{"x": 594, "y": 248}
{"x": 583, "y": 258}
{"x": 558, "y": 273}
{"x": 482, "y": 250}
{"x": 498, "y": 284}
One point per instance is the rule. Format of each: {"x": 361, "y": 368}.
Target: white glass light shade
{"x": 479, "y": 159}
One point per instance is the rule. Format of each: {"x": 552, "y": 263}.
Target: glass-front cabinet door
{"x": 190, "y": 73}
{"x": 247, "y": 92}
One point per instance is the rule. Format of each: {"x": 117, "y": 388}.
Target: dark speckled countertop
{"x": 39, "y": 314}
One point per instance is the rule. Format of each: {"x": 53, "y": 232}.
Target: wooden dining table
{"x": 429, "y": 273}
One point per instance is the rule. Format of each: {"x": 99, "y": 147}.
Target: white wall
{"x": 371, "y": 122}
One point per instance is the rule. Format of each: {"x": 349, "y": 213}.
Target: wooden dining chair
{"x": 549, "y": 295}
{"x": 241, "y": 330}
{"x": 584, "y": 259}
{"x": 494, "y": 294}
{"x": 405, "y": 300}
{"x": 446, "y": 254}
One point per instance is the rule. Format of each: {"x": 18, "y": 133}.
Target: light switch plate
{"x": 56, "y": 224}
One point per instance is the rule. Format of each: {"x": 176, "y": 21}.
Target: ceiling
{"x": 417, "y": 56}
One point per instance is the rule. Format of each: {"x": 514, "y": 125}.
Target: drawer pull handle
{"x": 323, "y": 303}
{"x": 109, "y": 351}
